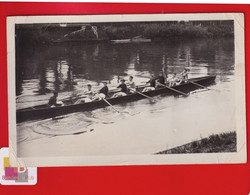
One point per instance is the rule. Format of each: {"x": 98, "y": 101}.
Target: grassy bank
{"x": 225, "y": 142}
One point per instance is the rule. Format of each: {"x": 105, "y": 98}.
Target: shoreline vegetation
{"x": 169, "y": 30}
{"x": 41, "y": 34}
{"x": 224, "y": 142}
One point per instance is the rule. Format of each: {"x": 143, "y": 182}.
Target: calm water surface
{"x": 153, "y": 127}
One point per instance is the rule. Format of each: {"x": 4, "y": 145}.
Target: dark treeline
{"x": 169, "y": 30}
{"x": 37, "y": 34}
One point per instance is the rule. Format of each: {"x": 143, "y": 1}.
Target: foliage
{"x": 225, "y": 142}
{"x": 111, "y": 31}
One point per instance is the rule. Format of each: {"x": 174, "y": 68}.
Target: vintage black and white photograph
{"x": 127, "y": 89}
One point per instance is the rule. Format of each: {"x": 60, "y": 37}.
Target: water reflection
{"x": 60, "y": 67}
{"x": 105, "y": 132}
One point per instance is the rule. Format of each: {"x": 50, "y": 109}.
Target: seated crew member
{"x": 131, "y": 85}
{"x": 103, "y": 93}
{"x": 123, "y": 91}
{"x": 89, "y": 92}
{"x": 78, "y": 91}
{"x": 86, "y": 96}
{"x": 175, "y": 80}
{"x": 160, "y": 80}
{"x": 152, "y": 84}
{"x": 104, "y": 90}
{"x": 184, "y": 74}
{"x": 54, "y": 102}
{"x": 152, "y": 81}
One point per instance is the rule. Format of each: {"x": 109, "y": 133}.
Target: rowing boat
{"x": 45, "y": 111}
{"x": 133, "y": 40}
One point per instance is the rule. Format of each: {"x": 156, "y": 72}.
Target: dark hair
{"x": 88, "y": 85}
{"x": 131, "y": 77}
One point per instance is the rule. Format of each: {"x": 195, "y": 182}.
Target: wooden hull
{"x": 48, "y": 112}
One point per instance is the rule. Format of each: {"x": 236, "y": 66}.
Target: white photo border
{"x": 203, "y": 158}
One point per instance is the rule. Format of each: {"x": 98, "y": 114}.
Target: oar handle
{"x": 70, "y": 98}
{"x": 143, "y": 94}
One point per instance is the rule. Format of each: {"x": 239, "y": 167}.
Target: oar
{"x": 202, "y": 86}
{"x": 43, "y": 100}
{"x": 143, "y": 94}
{"x": 111, "y": 104}
{"x": 173, "y": 89}
{"x": 23, "y": 95}
{"x": 71, "y": 98}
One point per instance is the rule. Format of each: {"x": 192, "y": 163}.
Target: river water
{"x": 150, "y": 127}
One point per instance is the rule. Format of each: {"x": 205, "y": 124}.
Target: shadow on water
{"x": 62, "y": 67}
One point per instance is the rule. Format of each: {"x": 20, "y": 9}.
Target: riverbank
{"x": 27, "y": 35}
{"x": 224, "y": 142}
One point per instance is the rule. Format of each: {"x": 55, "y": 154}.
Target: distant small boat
{"x": 61, "y": 41}
{"x": 137, "y": 39}
{"x": 140, "y": 39}
{"x": 121, "y": 41}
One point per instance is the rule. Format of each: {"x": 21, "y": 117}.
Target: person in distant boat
{"x": 53, "y": 100}
{"x": 160, "y": 80}
{"x": 152, "y": 84}
{"x": 131, "y": 85}
{"x": 123, "y": 91}
{"x": 175, "y": 80}
{"x": 184, "y": 74}
{"x": 86, "y": 96}
{"x": 103, "y": 93}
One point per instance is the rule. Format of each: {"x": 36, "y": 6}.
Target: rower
{"x": 89, "y": 92}
{"x": 53, "y": 102}
{"x": 123, "y": 86}
{"x": 152, "y": 84}
{"x": 104, "y": 90}
{"x": 184, "y": 74}
{"x": 131, "y": 84}
{"x": 103, "y": 93}
{"x": 175, "y": 80}
{"x": 123, "y": 91}
{"x": 152, "y": 81}
{"x": 86, "y": 96}
{"x": 160, "y": 79}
